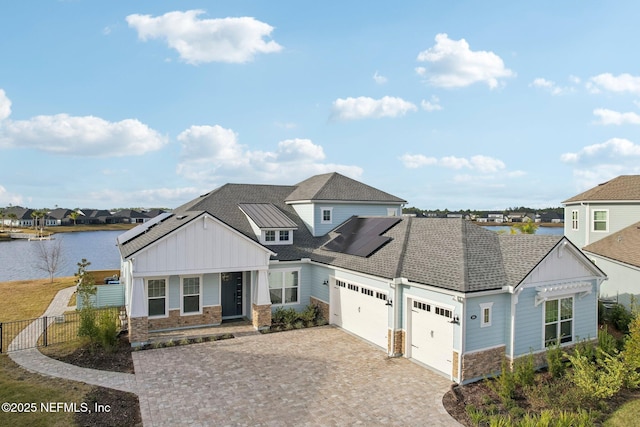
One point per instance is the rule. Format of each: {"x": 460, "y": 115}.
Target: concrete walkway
{"x": 319, "y": 376}
{"x": 34, "y": 361}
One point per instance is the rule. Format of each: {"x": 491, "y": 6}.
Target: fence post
{"x": 44, "y": 328}
{"x": 0, "y": 337}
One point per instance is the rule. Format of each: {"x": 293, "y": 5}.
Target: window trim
{"x": 266, "y": 233}
{"x": 575, "y": 220}
{"x": 166, "y": 297}
{"x": 558, "y": 322}
{"x": 182, "y": 295}
{"x": 486, "y": 308}
{"x": 593, "y": 221}
{"x": 277, "y": 240}
{"x": 282, "y": 271}
{"x": 322, "y": 211}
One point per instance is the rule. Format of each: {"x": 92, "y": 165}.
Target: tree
{"x": 2, "y": 214}
{"x": 528, "y": 227}
{"x": 13, "y": 218}
{"x": 50, "y": 257}
{"x": 74, "y": 216}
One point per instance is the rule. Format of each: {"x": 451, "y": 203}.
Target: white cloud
{"x": 453, "y": 64}
{"x": 414, "y": 161}
{"x": 156, "y": 197}
{"x": 212, "y": 154}
{"x": 620, "y": 84}
{"x": 479, "y": 163}
{"x": 83, "y": 136}
{"x": 365, "y": 107}
{"x": 610, "y": 117}
{"x": 5, "y": 105}
{"x": 550, "y": 86}
{"x": 380, "y": 79}
{"x": 431, "y": 105}
{"x": 7, "y": 198}
{"x": 234, "y": 40}
{"x": 620, "y": 149}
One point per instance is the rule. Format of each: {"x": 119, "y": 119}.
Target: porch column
{"x": 137, "y": 316}
{"x": 261, "y": 304}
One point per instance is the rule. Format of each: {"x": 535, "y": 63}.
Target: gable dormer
{"x": 270, "y": 225}
{"x": 325, "y": 201}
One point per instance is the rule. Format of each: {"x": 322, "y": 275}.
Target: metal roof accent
{"x": 267, "y": 215}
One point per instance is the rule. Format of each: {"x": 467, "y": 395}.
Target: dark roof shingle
{"x": 624, "y": 187}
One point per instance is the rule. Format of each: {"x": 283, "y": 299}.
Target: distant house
{"x": 132, "y": 216}
{"x": 94, "y": 216}
{"x": 521, "y": 217}
{"x": 22, "y": 218}
{"x": 59, "y": 216}
{"x": 549, "y": 218}
{"x": 442, "y": 291}
{"x": 603, "y": 222}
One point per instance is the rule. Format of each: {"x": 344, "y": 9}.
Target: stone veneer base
{"x": 261, "y": 316}
{"x": 323, "y": 307}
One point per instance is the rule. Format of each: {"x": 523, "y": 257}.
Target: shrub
{"x": 505, "y": 385}
{"x": 310, "y": 314}
{"x": 632, "y": 344}
{"x": 107, "y": 329}
{"x": 620, "y": 317}
{"x": 607, "y": 342}
{"x": 554, "y": 361}
{"x": 525, "y": 372}
{"x": 601, "y": 379}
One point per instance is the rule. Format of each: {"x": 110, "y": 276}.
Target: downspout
{"x": 394, "y": 322}
{"x": 463, "y": 339}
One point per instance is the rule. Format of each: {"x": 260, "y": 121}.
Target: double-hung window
{"x": 283, "y": 286}
{"x": 270, "y": 236}
{"x": 558, "y": 321}
{"x": 574, "y": 220}
{"x": 326, "y": 215}
{"x": 600, "y": 220}
{"x": 191, "y": 295}
{"x": 157, "y": 297}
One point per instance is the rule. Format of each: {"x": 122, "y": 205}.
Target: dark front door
{"x": 231, "y": 294}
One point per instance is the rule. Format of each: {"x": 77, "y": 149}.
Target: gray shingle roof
{"x": 624, "y": 187}
{"x": 453, "y": 254}
{"x": 623, "y": 246}
{"x": 336, "y": 187}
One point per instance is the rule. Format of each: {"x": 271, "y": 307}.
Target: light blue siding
{"x": 620, "y": 215}
{"x": 174, "y": 292}
{"x": 477, "y": 337}
{"x": 305, "y": 212}
{"x": 211, "y": 289}
{"x": 529, "y": 328}
{"x": 623, "y": 280}
{"x": 304, "y": 284}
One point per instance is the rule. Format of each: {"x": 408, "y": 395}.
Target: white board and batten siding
{"x": 203, "y": 246}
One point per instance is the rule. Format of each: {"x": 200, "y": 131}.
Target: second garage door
{"x": 431, "y": 335}
{"x": 360, "y": 310}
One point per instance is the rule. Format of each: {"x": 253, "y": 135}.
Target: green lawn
{"x": 627, "y": 415}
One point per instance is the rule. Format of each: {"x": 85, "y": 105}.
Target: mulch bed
{"x": 119, "y": 360}
{"x": 123, "y": 408}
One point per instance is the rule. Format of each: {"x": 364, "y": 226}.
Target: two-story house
{"x": 443, "y": 291}
{"x": 603, "y": 221}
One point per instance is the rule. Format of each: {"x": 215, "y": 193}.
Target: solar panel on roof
{"x": 142, "y": 228}
{"x": 361, "y": 236}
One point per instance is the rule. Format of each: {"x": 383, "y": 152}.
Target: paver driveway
{"x": 318, "y": 376}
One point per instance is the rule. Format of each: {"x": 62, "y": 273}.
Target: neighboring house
{"x": 521, "y": 217}
{"x": 603, "y": 222}
{"x": 22, "y": 218}
{"x": 94, "y": 216}
{"x": 132, "y": 216}
{"x": 444, "y": 292}
{"x": 549, "y": 217}
{"x": 59, "y": 216}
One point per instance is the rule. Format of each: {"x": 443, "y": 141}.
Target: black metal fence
{"x": 41, "y": 332}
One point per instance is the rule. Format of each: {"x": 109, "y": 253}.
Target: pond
{"x": 19, "y": 258}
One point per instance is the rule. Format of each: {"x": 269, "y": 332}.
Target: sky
{"x": 456, "y": 105}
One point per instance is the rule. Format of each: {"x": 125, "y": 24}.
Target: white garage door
{"x": 431, "y": 335}
{"x": 360, "y": 310}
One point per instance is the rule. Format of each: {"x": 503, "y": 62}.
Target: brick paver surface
{"x": 318, "y": 376}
